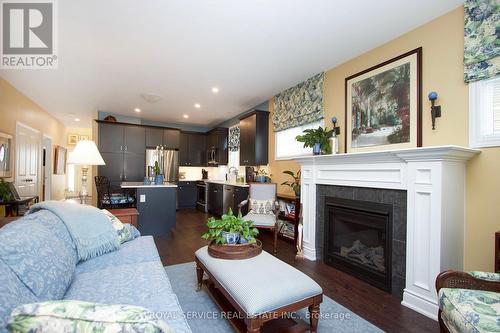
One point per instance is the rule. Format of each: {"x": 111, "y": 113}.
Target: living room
{"x": 363, "y": 163}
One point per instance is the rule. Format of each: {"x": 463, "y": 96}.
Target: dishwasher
{"x": 227, "y": 198}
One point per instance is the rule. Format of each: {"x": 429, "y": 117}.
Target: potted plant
{"x": 230, "y": 229}
{"x": 5, "y": 193}
{"x": 262, "y": 176}
{"x": 158, "y": 175}
{"x": 318, "y": 139}
{"x": 295, "y": 184}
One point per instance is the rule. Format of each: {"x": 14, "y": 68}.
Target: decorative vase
{"x": 261, "y": 179}
{"x": 334, "y": 142}
{"x": 231, "y": 237}
{"x": 159, "y": 179}
{"x": 242, "y": 240}
{"x": 317, "y": 149}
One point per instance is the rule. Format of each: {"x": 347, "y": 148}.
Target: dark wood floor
{"x": 374, "y": 305}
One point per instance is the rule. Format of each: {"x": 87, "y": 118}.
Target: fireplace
{"x": 358, "y": 239}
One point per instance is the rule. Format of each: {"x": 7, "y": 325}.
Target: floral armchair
{"x": 468, "y": 302}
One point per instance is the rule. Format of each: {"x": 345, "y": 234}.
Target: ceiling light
{"x": 197, "y": 106}
{"x": 215, "y": 90}
{"x": 186, "y": 116}
{"x": 77, "y": 119}
{"x": 137, "y": 110}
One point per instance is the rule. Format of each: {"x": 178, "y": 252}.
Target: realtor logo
{"x": 28, "y": 34}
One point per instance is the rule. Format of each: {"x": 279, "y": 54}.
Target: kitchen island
{"x": 156, "y": 205}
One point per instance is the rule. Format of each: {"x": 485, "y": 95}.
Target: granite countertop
{"x": 141, "y": 185}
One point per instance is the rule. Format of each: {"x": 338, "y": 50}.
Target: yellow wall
{"x": 14, "y": 106}
{"x": 442, "y": 71}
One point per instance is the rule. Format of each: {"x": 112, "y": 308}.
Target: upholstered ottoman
{"x": 260, "y": 289}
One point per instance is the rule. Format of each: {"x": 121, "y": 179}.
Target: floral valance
{"x": 299, "y": 105}
{"x": 234, "y": 139}
{"x": 481, "y": 39}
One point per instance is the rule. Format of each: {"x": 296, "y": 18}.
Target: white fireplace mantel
{"x": 434, "y": 178}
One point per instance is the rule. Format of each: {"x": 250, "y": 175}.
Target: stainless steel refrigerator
{"x": 168, "y": 160}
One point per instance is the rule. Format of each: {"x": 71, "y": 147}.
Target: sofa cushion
{"x": 70, "y": 316}
{"x": 264, "y": 220}
{"x": 38, "y": 249}
{"x": 12, "y": 294}
{"x": 141, "y": 249}
{"x": 473, "y": 311}
{"x": 260, "y": 284}
{"x": 125, "y": 231}
{"x": 143, "y": 284}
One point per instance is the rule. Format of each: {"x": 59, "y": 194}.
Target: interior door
{"x": 28, "y": 147}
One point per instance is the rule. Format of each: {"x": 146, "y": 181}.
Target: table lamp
{"x": 85, "y": 154}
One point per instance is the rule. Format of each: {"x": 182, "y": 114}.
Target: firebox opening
{"x": 358, "y": 238}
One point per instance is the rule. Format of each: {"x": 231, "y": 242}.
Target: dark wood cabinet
{"x": 254, "y": 138}
{"x": 110, "y": 138}
{"x": 123, "y": 150}
{"x": 134, "y": 139}
{"x": 217, "y": 146}
{"x": 215, "y": 198}
{"x": 192, "y": 149}
{"x": 186, "y": 194}
{"x": 171, "y": 138}
{"x": 154, "y": 137}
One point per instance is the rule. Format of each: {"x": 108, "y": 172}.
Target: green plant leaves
{"x": 232, "y": 224}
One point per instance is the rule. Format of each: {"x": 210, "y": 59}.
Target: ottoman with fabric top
{"x": 261, "y": 288}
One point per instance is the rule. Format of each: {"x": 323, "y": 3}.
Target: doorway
{"x": 28, "y": 148}
{"x": 46, "y": 167}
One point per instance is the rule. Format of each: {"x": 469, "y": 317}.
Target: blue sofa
{"x": 131, "y": 275}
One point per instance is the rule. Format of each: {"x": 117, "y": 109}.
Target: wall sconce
{"x": 435, "y": 109}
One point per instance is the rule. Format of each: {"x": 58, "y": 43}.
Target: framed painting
{"x": 72, "y": 139}
{"x": 83, "y": 137}
{"x": 60, "y": 160}
{"x": 383, "y": 105}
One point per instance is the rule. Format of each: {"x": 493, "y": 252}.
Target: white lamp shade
{"x": 85, "y": 153}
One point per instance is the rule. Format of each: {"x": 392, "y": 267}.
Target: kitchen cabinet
{"x": 123, "y": 150}
{"x": 217, "y": 146}
{"x": 156, "y": 136}
{"x": 192, "y": 149}
{"x": 254, "y": 138}
{"x": 215, "y": 198}
{"x": 171, "y": 138}
{"x": 186, "y": 194}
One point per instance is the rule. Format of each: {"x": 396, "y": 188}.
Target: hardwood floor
{"x": 374, "y": 305}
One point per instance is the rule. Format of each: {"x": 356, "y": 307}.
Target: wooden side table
{"x": 126, "y": 215}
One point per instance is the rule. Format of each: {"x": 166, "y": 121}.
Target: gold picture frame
{"x": 72, "y": 139}
{"x": 60, "y": 157}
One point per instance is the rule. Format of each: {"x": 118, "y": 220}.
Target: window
{"x": 288, "y": 147}
{"x": 484, "y": 113}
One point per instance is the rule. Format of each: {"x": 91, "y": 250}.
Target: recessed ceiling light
{"x": 186, "y": 116}
{"x": 215, "y": 90}
{"x": 77, "y": 119}
{"x": 137, "y": 110}
{"x": 197, "y": 106}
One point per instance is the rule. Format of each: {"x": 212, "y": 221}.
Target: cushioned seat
{"x": 465, "y": 310}
{"x": 144, "y": 284}
{"x": 260, "y": 284}
{"x": 266, "y": 220}
{"x": 142, "y": 249}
